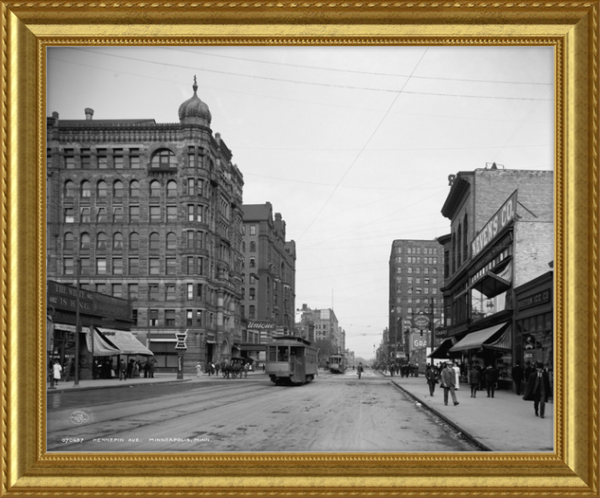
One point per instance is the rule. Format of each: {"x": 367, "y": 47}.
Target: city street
{"x": 212, "y": 414}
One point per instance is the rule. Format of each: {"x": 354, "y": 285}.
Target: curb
{"x": 117, "y": 386}
{"x": 454, "y": 425}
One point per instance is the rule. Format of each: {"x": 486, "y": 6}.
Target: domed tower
{"x": 194, "y": 111}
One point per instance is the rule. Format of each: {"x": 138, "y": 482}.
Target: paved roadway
{"x": 333, "y": 413}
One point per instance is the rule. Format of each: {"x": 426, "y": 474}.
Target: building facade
{"x": 269, "y": 275}
{"x": 415, "y": 299}
{"x": 152, "y": 213}
{"x": 502, "y": 236}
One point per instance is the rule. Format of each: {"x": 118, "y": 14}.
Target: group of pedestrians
{"x": 447, "y": 376}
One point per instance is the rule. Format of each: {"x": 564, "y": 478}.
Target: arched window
{"x": 154, "y": 188}
{"x": 252, "y": 246}
{"x": 134, "y": 189}
{"x": 118, "y": 240}
{"x": 134, "y": 242}
{"x": 154, "y": 241}
{"x": 118, "y": 189}
{"x": 69, "y": 188}
{"x": 68, "y": 242}
{"x": 101, "y": 239}
{"x": 172, "y": 189}
{"x": 171, "y": 241}
{"x": 163, "y": 158}
{"x": 86, "y": 189}
{"x": 102, "y": 189}
{"x": 84, "y": 241}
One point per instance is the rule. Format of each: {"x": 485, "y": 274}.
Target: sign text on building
{"x": 261, "y": 325}
{"x": 495, "y": 225}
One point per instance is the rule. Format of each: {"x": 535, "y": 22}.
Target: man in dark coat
{"x": 538, "y": 389}
{"x": 491, "y": 377}
{"x": 448, "y": 379}
{"x": 517, "y": 375}
{"x": 431, "y": 375}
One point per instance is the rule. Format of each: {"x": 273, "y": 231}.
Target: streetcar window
{"x": 272, "y": 353}
{"x": 297, "y": 352}
{"x": 282, "y": 353}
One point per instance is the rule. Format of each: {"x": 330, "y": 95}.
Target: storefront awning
{"x": 101, "y": 346}
{"x": 441, "y": 351}
{"x": 503, "y": 343}
{"x": 494, "y": 283}
{"x": 126, "y": 342}
{"x": 477, "y": 339}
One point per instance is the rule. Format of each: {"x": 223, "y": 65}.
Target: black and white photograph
{"x": 300, "y": 249}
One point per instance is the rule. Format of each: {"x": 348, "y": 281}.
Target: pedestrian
{"x": 517, "y": 375}
{"x": 152, "y": 368}
{"x": 122, "y": 370}
{"x": 56, "y": 371}
{"x": 474, "y": 380}
{"x": 146, "y": 369}
{"x": 246, "y": 368}
{"x": 456, "y": 369}
{"x": 448, "y": 378}
{"x": 528, "y": 371}
{"x": 264, "y": 367}
{"x": 198, "y": 369}
{"x": 431, "y": 375}
{"x": 538, "y": 390}
{"x": 359, "y": 370}
{"x": 491, "y": 377}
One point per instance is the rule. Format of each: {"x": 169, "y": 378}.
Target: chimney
{"x": 55, "y": 117}
{"x": 89, "y": 113}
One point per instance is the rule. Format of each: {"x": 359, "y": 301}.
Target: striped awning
{"x": 503, "y": 343}
{"x": 475, "y": 340}
{"x": 126, "y": 342}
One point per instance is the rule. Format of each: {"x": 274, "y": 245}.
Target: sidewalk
{"x": 502, "y": 423}
{"x": 159, "y": 378}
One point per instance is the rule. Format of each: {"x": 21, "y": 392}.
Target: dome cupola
{"x": 194, "y": 111}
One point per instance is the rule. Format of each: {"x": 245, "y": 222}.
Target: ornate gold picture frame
{"x": 29, "y": 27}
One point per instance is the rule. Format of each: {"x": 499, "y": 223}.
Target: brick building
{"x": 152, "y": 213}
{"x": 269, "y": 274}
{"x": 416, "y": 276}
{"x": 502, "y": 236}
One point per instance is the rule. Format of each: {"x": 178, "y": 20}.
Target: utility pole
{"x": 77, "y": 324}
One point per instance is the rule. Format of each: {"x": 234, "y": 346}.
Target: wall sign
{"x": 495, "y": 225}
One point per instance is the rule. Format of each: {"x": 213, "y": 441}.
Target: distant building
{"x": 501, "y": 237}
{"x": 269, "y": 275}
{"x": 325, "y": 325}
{"x": 153, "y": 214}
{"x": 415, "y": 300}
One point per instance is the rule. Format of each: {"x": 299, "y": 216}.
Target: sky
{"x": 352, "y": 145}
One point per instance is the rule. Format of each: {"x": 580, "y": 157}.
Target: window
{"x": 171, "y": 213}
{"x": 252, "y": 262}
{"x": 153, "y": 318}
{"x": 190, "y": 239}
{"x": 134, "y": 242}
{"x": 85, "y": 266}
{"x": 100, "y": 266}
{"x": 252, "y": 229}
{"x": 68, "y": 266}
{"x": 86, "y": 158}
{"x": 200, "y": 268}
{"x": 118, "y": 189}
{"x": 118, "y": 162}
{"x": 134, "y": 158}
{"x": 134, "y": 214}
{"x": 190, "y": 291}
{"x": 199, "y": 214}
{"x": 171, "y": 241}
{"x": 199, "y": 291}
{"x": 189, "y": 318}
{"x": 69, "y": 215}
{"x": 69, "y": 189}
{"x": 102, "y": 189}
{"x": 134, "y": 266}
{"x": 171, "y": 264}
{"x": 84, "y": 241}
{"x": 199, "y": 318}
{"x": 172, "y": 189}
{"x": 154, "y": 188}
{"x": 190, "y": 210}
{"x": 101, "y": 288}
{"x": 117, "y": 290}
{"x": 153, "y": 292}
{"x": 86, "y": 189}
{"x": 170, "y": 318}
{"x": 191, "y": 156}
{"x": 154, "y": 241}
{"x": 252, "y": 246}
{"x": 68, "y": 242}
{"x": 155, "y": 214}
{"x": 102, "y": 215}
{"x": 154, "y": 264}
{"x": 117, "y": 266}
{"x": 132, "y": 292}
{"x": 170, "y": 292}
{"x": 252, "y": 294}
{"x": 163, "y": 158}
{"x": 134, "y": 189}
{"x": 117, "y": 214}
{"x": 252, "y": 311}
{"x": 191, "y": 186}
{"x": 101, "y": 241}
{"x": 102, "y": 157}
{"x": 69, "y": 159}
{"x": 252, "y": 278}
{"x": 134, "y": 316}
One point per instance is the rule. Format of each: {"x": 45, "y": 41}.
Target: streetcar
{"x": 337, "y": 363}
{"x": 291, "y": 360}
